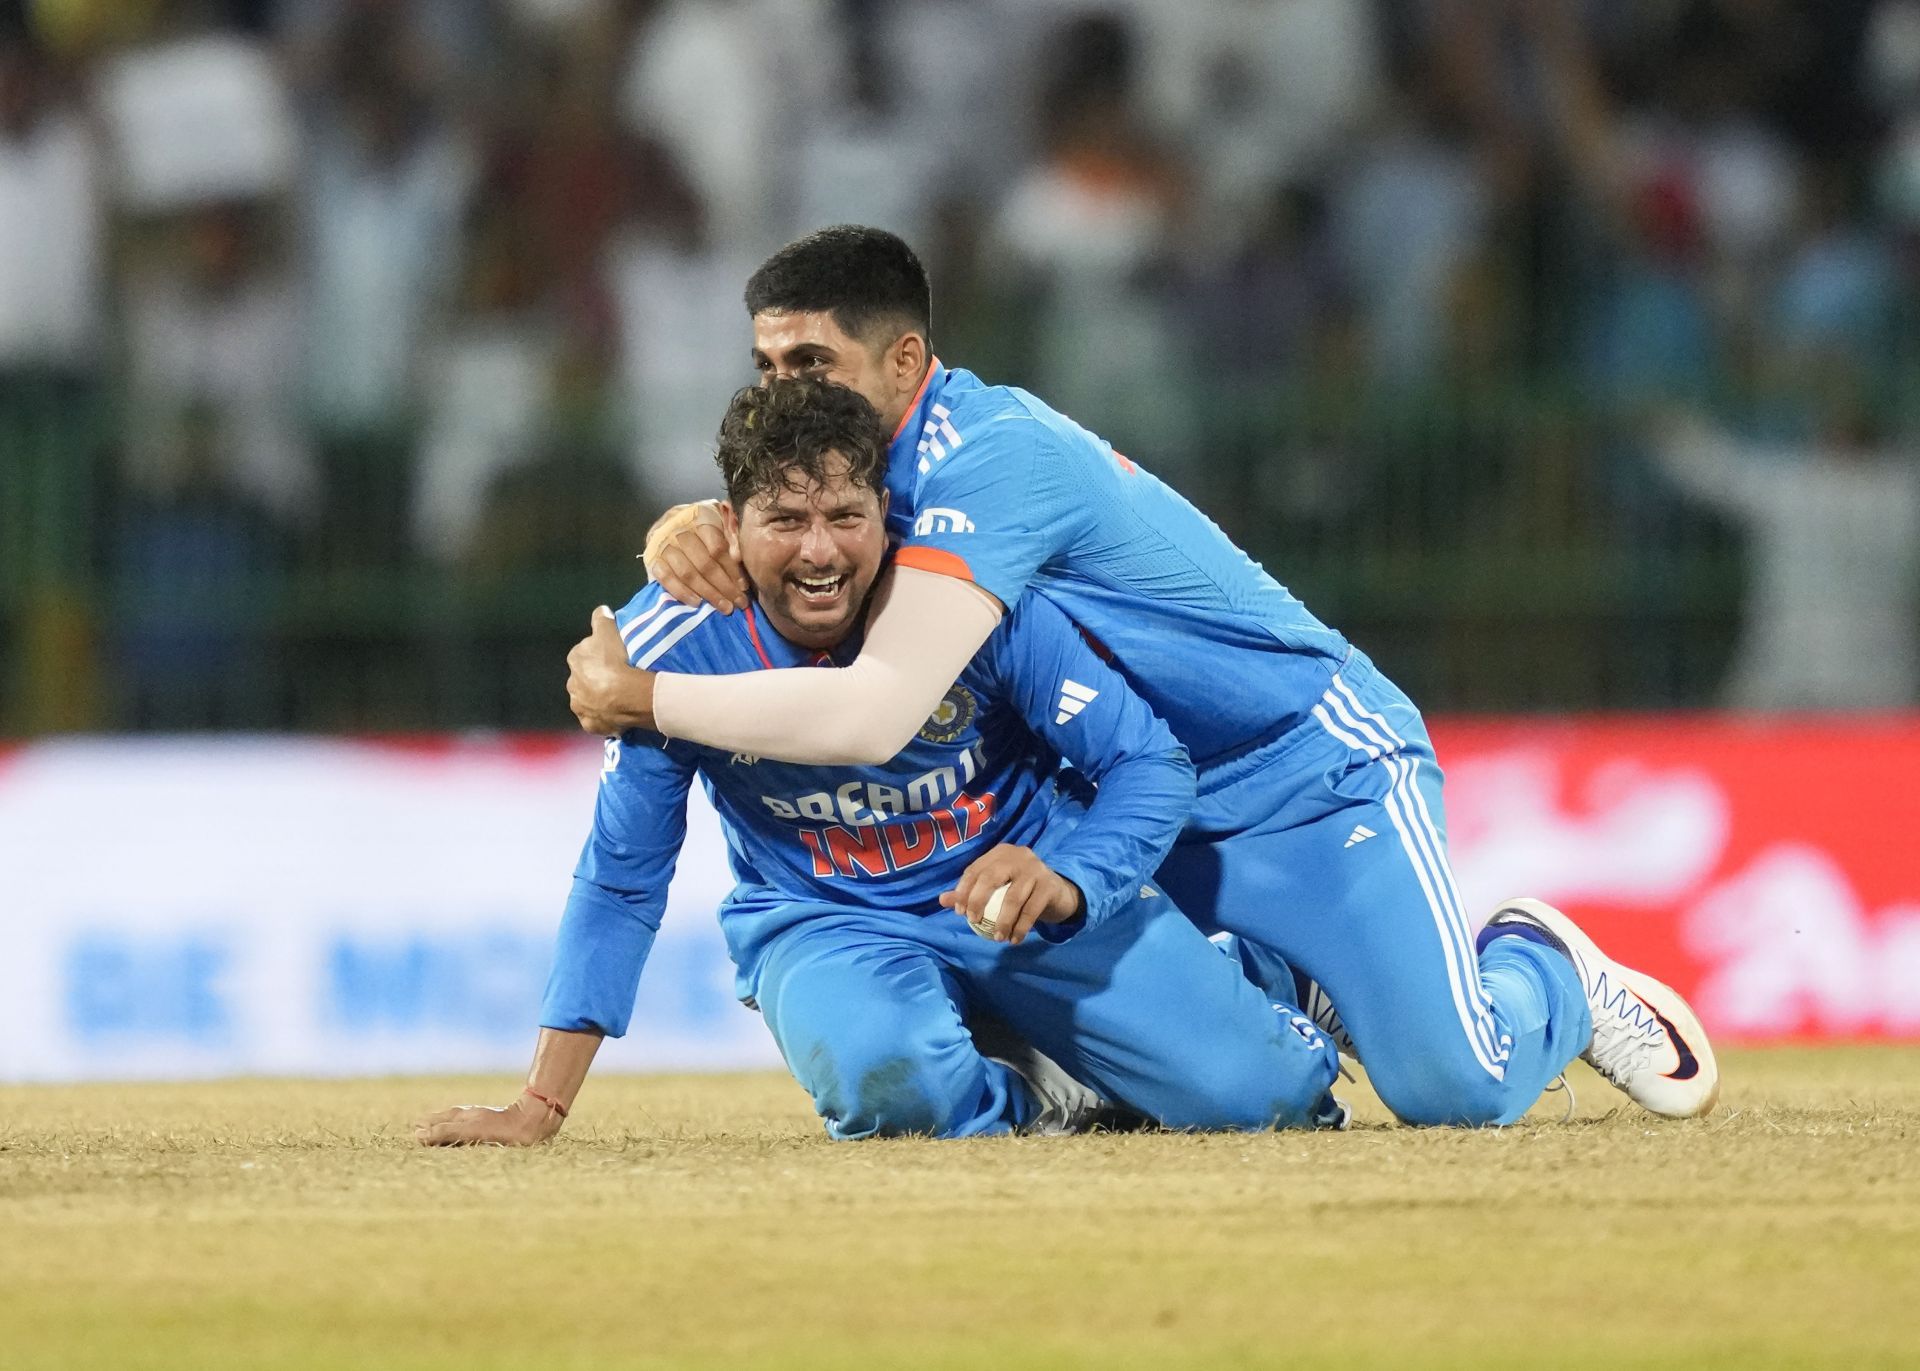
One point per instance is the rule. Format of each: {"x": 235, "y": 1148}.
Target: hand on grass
{"x": 524, "y": 1123}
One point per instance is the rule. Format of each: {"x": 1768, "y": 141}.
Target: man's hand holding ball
{"x": 1003, "y": 894}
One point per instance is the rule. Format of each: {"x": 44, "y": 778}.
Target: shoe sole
{"x": 1665, "y": 1002}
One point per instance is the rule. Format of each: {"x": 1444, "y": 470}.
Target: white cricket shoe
{"x": 1317, "y": 1005}
{"x": 1645, "y": 1039}
{"x": 1066, "y": 1106}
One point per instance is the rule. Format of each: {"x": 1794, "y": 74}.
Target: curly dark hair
{"x": 869, "y": 280}
{"x": 778, "y": 436}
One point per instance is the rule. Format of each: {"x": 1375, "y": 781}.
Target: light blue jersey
{"x": 1318, "y": 835}
{"x": 990, "y": 484}
{"x": 889, "y": 838}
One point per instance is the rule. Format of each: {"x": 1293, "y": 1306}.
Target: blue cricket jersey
{"x": 988, "y": 483}
{"x": 981, "y": 772}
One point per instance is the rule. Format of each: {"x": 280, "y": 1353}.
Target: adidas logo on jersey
{"x": 1359, "y": 835}
{"x": 1074, "y": 697}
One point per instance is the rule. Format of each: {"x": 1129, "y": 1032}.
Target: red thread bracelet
{"x": 547, "y": 1100}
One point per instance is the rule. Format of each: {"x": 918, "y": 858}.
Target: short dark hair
{"x": 866, "y": 278}
{"x": 778, "y": 436}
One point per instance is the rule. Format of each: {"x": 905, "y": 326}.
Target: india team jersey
{"x": 989, "y": 484}
{"x": 981, "y": 772}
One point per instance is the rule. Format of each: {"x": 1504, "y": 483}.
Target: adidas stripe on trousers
{"x": 1328, "y": 849}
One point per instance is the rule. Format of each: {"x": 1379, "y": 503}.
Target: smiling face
{"x": 812, "y": 548}
{"x": 812, "y": 345}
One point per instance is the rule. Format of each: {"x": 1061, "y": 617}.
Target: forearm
{"x": 597, "y": 959}
{"x": 923, "y": 633}
{"x": 1126, "y": 832}
{"x": 560, "y": 1063}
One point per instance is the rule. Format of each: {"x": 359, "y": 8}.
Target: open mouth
{"x": 819, "y": 590}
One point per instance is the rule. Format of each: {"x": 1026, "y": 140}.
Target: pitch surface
{"x": 705, "y": 1222}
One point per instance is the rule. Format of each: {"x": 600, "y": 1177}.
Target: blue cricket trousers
{"x": 870, "y": 1010}
{"x": 1328, "y": 848}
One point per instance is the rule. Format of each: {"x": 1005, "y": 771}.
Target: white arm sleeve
{"x": 923, "y": 630}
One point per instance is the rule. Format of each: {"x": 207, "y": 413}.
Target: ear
{"x": 730, "y": 521}
{"x": 909, "y": 361}
{"x": 886, "y": 500}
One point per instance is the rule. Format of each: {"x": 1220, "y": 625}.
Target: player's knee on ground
{"x": 1438, "y": 1088}
{"x": 887, "y": 1096}
{"x": 1279, "y": 1084}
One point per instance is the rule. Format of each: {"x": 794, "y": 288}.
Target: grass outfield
{"x": 705, "y": 1222}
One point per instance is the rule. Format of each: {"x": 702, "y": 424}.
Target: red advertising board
{"x": 1767, "y": 869}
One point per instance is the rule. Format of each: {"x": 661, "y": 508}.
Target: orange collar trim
{"x": 913, "y": 407}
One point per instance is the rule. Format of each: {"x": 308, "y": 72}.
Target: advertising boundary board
{"x": 216, "y": 906}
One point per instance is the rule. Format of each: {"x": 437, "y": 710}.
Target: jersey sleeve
{"x": 1083, "y": 709}
{"x": 619, "y": 887}
{"x": 659, "y": 633}
{"x": 993, "y": 510}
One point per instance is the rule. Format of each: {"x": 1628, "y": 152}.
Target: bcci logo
{"x": 953, "y": 717}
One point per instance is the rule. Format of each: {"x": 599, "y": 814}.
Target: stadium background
{"x": 1560, "y": 354}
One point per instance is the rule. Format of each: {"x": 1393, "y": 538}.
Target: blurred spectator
{"x": 51, "y": 252}
{"x": 864, "y": 160}
{"x": 1090, "y": 230}
{"x": 52, "y": 318}
{"x": 1836, "y": 285}
{"x": 1649, "y": 331}
{"x": 1409, "y": 215}
{"x": 486, "y": 383}
{"x": 388, "y": 176}
{"x": 555, "y": 531}
{"x": 1377, "y": 282}
{"x": 204, "y": 118}
{"x": 727, "y": 86}
{"x": 212, "y": 334}
{"x": 1260, "y": 312}
{"x": 946, "y": 78}
{"x": 1259, "y": 92}
{"x": 1833, "y": 612}
{"x": 685, "y": 349}
{"x": 198, "y": 563}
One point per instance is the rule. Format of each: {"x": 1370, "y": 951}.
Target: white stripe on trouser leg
{"x": 1438, "y": 848}
{"x": 1458, "y": 980}
{"x": 1457, "y": 937}
{"x": 1482, "y": 1046}
{"x": 1375, "y": 726}
{"x": 1420, "y": 804}
{"x": 1459, "y": 942}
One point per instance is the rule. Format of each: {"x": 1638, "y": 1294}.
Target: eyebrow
{"x": 854, "y": 506}
{"x": 824, "y": 349}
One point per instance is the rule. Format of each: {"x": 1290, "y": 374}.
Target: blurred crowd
{"x": 348, "y": 346}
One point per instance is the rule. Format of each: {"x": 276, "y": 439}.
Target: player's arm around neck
{"x": 922, "y": 632}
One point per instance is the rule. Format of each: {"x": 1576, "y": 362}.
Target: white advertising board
{"x": 283, "y": 906}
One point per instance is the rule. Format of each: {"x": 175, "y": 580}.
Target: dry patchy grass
{"x": 706, "y": 1222}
